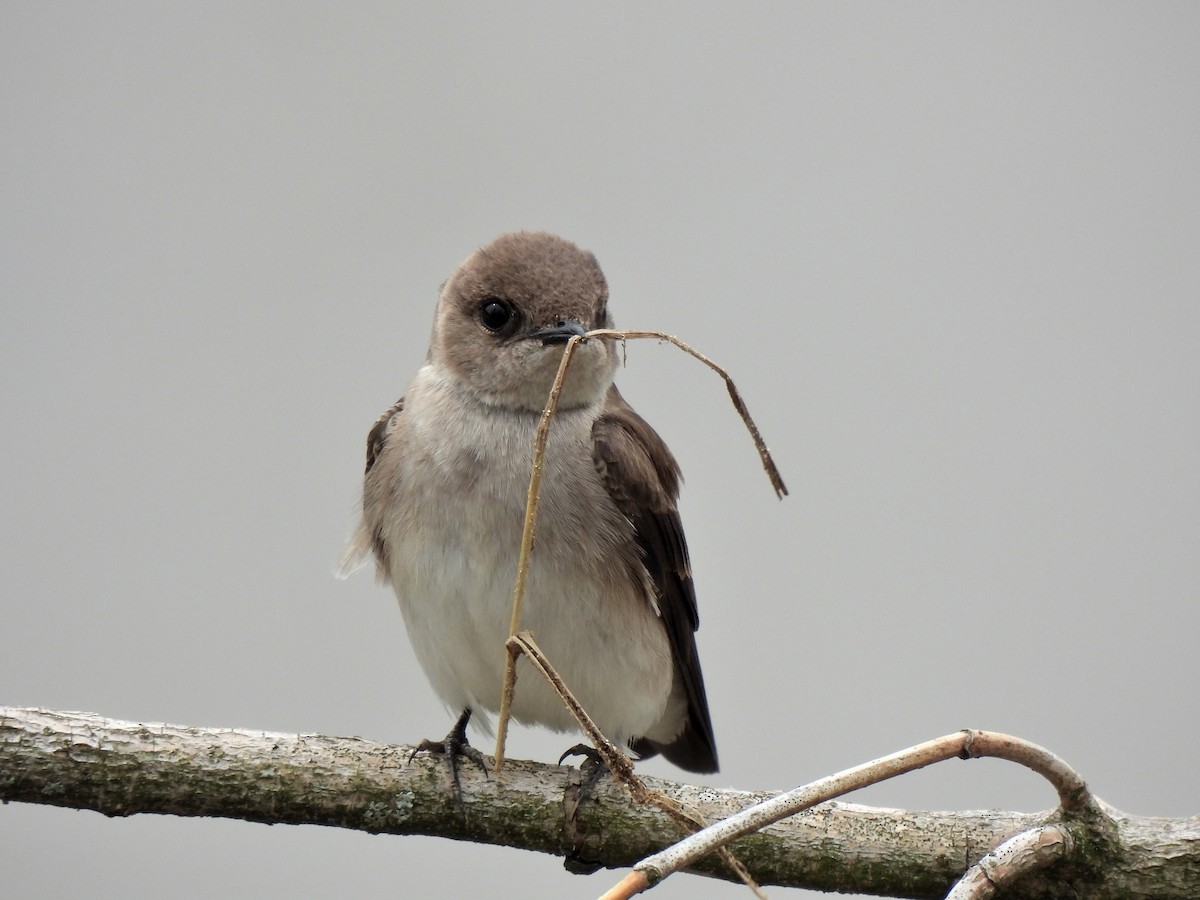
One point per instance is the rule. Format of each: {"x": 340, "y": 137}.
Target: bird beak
{"x": 559, "y": 333}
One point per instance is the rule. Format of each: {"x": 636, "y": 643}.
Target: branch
{"x": 83, "y": 761}
{"x": 1072, "y": 791}
{"x": 1012, "y": 860}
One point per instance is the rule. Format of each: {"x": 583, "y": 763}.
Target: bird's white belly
{"x": 453, "y": 545}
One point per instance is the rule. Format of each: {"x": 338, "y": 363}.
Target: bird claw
{"x": 581, "y": 858}
{"x": 590, "y": 753}
{"x": 452, "y": 746}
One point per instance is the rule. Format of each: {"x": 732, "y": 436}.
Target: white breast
{"x": 451, "y": 523}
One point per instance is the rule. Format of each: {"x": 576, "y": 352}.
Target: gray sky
{"x": 948, "y": 251}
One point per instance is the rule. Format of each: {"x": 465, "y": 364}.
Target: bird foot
{"x": 452, "y": 746}
{"x": 581, "y": 858}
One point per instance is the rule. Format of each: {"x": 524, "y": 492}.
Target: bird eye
{"x": 495, "y": 314}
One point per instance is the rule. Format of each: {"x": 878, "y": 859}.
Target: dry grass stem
{"x": 1072, "y": 791}
{"x": 616, "y": 761}
{"x": 535, "y": 478}
{"x": 764, "y": 454}
{"x": 522, "y": 643}
{"x": 531, "y": 504}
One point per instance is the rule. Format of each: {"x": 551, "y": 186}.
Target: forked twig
{"x": 616, "y": 761}
{"x": 519, "y": 642}
{"x": 1072, "y": 793}
{"x": 535, "y": 480}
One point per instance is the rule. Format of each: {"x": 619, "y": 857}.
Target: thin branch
{"x": 1073, "y": 794}
{"x": 1072, "y": 791}
{"x": 1019, "y": 856}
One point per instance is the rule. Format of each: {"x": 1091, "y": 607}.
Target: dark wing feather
{"x": 377, "y": 436}
{"x": 376, "y": 439}
{"x": 642, "y": 478}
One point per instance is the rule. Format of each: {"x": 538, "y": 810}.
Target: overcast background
{"x": 950, "y": 253}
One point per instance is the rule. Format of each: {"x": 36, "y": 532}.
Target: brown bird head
{"x": 506, "y": 312}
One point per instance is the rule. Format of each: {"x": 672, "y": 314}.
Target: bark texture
{"x": 84, "y": 761}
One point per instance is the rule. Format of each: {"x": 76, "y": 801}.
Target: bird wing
{"x": 366, "y": 536}
{"x": 378, "y": 434}
{"x": 642, "y": 478}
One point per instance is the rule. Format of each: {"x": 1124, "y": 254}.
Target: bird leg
{"x": 452, "y": 746}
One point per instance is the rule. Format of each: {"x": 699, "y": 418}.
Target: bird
{"x": 609, "y": 594}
